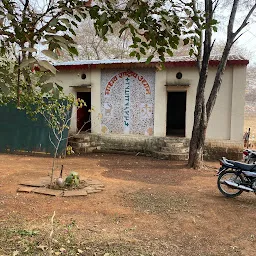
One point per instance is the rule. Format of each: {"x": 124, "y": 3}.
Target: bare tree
{"x": 204, "y": 107}
{"x": 91, "y": 46}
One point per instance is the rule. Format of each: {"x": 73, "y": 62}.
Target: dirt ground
{"x": 148, "y": 207}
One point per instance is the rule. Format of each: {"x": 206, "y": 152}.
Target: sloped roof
{"x": 181, "y": 61}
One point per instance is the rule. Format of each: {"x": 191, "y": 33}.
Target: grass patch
{"x": 158, "y": 203}
{"x": 67, "y": 240}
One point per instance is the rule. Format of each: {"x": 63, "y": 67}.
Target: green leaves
{"x": 47, "y": 87}
{"x": 73, "y": 50}
{"x": 27, "y": 62}
{"x": 152, "y": 28}
{"x": 129, "y": 4}
{"x": 50, "y": 54}
{"x": 149, "y": 59}
{"x": 186, "y": 41}
{"x": 45, "y": 64}
{"x": 4, "y": 87}
{"x": 23, "y": 29}
{"x": 72, "y": 179}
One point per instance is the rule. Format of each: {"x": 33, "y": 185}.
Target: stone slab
{"x": 101, "y": 186}
{"x": 39, "y": 186}
{"x": 91, "y": 190}
{"x": 93, "y": 182}
{"x": 41, "y": 182}
{"x": 25, "y": 189}
{"x": 80, "y": 192}
{"x": 97, "y": 188}
{"x": 45, "y": 180}
{"x": 47, "y": 191}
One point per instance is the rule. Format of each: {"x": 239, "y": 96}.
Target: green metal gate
{"x": 18, "y": 133}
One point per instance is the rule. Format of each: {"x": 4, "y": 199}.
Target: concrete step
{"x": 86, "y": 150}
{"x": 80, "y": 138}
{"x": 170, "y": 156}
{"x": 174, "y": 140}
{"x": 74, "y": 144}
{"x": 178, "y": 139}
{"x": 178, "y": 150}
{"x": 174, "y": 144}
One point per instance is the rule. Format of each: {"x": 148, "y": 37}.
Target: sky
{"x": 247, "y": 41}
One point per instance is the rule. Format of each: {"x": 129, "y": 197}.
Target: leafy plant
{"x": 25, "y": 232}
{"x": 56, "y": 110}
{"x": 72, "y": 179}
{"x": 69, "y": 150}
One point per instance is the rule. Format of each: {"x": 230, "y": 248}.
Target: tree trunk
{"x": 203, "y": 111}
{"x": 198, "y": 139}
{"x": 197, "y": 147}
{"x": 200, "y": 118}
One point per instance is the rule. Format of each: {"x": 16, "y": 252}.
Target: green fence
{"x": 18, "y": 133}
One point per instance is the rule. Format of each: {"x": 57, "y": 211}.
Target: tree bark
{"x": 200, "y": 118}
{"x": 203, "y": 111}
{"x": 199, "y": 130}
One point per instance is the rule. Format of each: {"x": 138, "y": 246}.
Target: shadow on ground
{"x": 146, "y": 169}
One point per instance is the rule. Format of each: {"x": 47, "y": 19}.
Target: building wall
{"x": 238, "y": 102}
{"x": 71, "y": 80}
{"x": 127, "y": 101}
{"x": 226, "y": 122}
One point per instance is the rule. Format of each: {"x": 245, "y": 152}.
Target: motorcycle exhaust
{"x": 235, "y": 185}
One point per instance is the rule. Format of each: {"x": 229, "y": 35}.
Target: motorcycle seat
{"x": 243, "y": 166}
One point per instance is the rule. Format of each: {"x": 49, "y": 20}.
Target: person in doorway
{"x": 247, "y": 138}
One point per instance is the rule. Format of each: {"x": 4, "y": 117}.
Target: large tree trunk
{"x": 198, "y": 134}
{"x": 203, "y": 111}
{"x": 200, "y": 118}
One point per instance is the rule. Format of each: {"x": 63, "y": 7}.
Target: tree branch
{"x": 215, "y": 6}
{"x": 232, "y": 20}
{"x": 25, "y": 8}
{"x": 6, "y": 33}
{"x": 238, "y": 37}
{"x": 50, "y": 139}
{"x": 245, "y": 22}
{"x": 199, "y": 56}
{"x": 49, "y": 8}
{"x": 39, "y": 31}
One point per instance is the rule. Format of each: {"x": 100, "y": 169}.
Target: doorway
{"x": 176, "y": 114}
{"x": 83, "y": 114}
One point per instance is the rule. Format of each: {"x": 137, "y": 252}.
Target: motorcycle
{"x": 235, "y": 177}
{"x": 249, "y": 156}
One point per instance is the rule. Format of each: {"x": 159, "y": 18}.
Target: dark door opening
{"x": 83, "y": 114}
{"x": 176, "y": 113}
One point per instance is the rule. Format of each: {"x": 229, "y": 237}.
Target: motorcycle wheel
{"x": 225, "y": 189}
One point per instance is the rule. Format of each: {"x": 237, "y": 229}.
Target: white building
{"x": 131, "y": 97}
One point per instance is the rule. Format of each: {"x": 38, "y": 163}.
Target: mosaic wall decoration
{"x": 127, "y": 101}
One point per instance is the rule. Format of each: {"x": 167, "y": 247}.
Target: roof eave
{"x": 212, "y": 63}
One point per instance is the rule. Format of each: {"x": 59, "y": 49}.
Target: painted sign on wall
{"x": 127, "y": 101}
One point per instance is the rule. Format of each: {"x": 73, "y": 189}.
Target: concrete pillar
{"x": 238, "y": 102}
{"x": 96, "y": 101}
{"x": 160, "y": 104}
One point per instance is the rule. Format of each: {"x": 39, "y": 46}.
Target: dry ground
{"x": 149, "y": 207}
